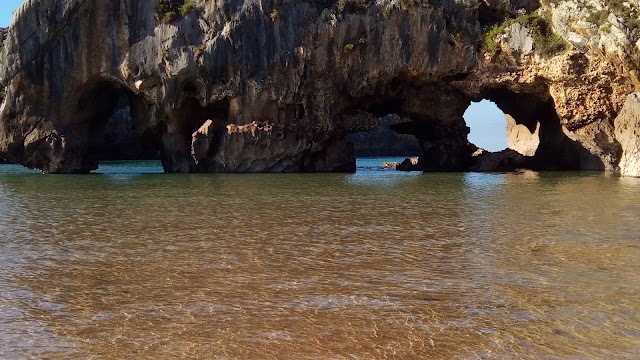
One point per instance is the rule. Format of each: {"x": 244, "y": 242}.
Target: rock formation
{"x": 505, "y": 160}
{"x": 520, "y": 138}
{"x": 390, "y": 165}
{"x": 314, "y": 71}
{"x": 410, "y": 164}
{"x": 627, "y": 126}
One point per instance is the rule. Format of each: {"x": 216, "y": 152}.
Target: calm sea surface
{"x": 129, "y": 264}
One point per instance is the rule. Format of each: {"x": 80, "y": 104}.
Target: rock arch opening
{"x": 112, "y": 124}
{"x": 506, "y": 131}
{"x": 430, "y": 115}
{"x": 384, "y": 141}
{"x": 379, "y": 130}
{"x": 535, "y": 137}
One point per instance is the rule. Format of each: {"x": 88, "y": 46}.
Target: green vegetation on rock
{"x": 168, "y": 11}
{"x": 626, "y": 11}
{"x": 598, "y": 16}
{"x": 545, "y": 41}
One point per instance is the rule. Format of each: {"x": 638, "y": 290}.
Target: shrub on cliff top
{"x": 545, "y": 41}
{"x": 168, "y": 11}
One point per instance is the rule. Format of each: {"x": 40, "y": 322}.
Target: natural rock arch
{"x": 537, "y": 113}
{"x": 311, "y": 74}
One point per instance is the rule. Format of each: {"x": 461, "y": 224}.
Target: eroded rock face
{"x": 628, "y": 134}
{"x": 257, "y": 86}
{"x": 521, "y": 139}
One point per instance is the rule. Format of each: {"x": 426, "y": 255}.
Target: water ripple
{"x": 367, "y": 266}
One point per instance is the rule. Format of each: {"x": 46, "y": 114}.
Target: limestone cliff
{"x": 278, "y": 85}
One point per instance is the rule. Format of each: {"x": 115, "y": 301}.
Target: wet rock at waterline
{"x": 392, "y": 165}
{"x": 501, "y": 161}
{"x": 410, "y": 164}
{"x": 312, "y": 73}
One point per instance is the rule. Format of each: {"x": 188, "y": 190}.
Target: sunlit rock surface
{"x": 520, "y": 138}
{"x": 628, "y": 132}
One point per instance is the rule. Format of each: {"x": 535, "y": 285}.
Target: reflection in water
{"x": 321, "y": 266}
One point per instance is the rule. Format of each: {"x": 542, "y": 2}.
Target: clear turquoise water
{"x": 132, "y": 263}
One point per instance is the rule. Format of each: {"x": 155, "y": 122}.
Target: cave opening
{"x": 487, "y": 125}
{"x": 117, "y": 128}
{"x": 384, "y": 141}
{"x": 387, "y": 139}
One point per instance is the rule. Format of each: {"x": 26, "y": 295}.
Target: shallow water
{"x": 372, "y": 265}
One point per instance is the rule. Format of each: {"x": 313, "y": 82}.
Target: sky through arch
{"x": 488, "y": 126}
